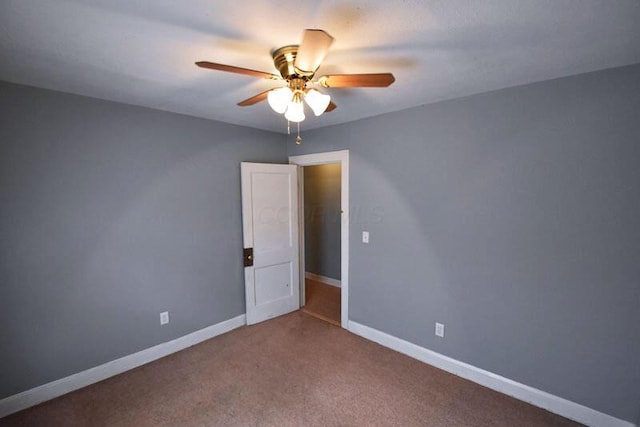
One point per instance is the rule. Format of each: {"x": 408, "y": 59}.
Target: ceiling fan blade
{"x": 332, "y": 106}
{"x": 238, "y": 70}
{"x": 314, "y": 47}
{"x": 357, "y": 80}
{"x": 254, "y": 99}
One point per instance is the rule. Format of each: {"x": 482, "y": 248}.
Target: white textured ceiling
{"x": 142, "y": 52}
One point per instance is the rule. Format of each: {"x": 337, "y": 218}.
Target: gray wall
{"x": 322, "y": 220}
{"x": 110, "y": 214}
{"x": 512, "y": 217}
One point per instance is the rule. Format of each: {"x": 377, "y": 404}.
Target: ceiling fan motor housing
{"x": 284, "y": 58}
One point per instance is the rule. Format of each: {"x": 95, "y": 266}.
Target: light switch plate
{"x": 164, "y": 317}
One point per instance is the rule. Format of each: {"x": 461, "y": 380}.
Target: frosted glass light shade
{"x": 279, "y": 99}
{"x": 295, "y": 111}
{"x": 317, "y": 101}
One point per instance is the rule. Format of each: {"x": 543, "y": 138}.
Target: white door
{"x": 270, "y": 230}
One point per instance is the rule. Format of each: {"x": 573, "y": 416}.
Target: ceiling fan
{"x": 297, "y": 65}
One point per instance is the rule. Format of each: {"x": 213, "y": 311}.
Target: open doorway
{"x": 322, "y": 253}
{"x": 324, "y": 231}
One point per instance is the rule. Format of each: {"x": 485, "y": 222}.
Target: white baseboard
{"x": 48, "y": 391}
{"x": 539, "y": 398}
{"x": 323, "y": 279}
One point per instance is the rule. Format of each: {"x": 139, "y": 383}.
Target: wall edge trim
{"x": 51, "y": 390}
{"x": 536, "y": 397}
{"x": 324, "y": 279}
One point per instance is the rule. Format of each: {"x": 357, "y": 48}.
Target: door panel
{"x": 272, "y": 211}
{"x": 274, "y": 283}
{"x": 270, "y": 222}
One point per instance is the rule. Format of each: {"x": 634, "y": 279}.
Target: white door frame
{"x": 341, "y": 157}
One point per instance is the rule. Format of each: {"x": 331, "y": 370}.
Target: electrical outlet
{"x": 164, "y": 317}
{"x": 365, "y": 237}
{"x": 440, "y": 329}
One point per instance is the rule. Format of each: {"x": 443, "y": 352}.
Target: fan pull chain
{"x": 299, "y": 138}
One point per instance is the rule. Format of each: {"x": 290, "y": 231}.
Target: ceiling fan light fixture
{"x": 279, "y": 99}
{"x": 295, "y": 109}
{"x": 297, "y": 66}
{"x": 317, "y": 101}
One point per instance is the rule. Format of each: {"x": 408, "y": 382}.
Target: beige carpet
{"x": 294, "y": 370}
{"x": 322, "y": 301}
